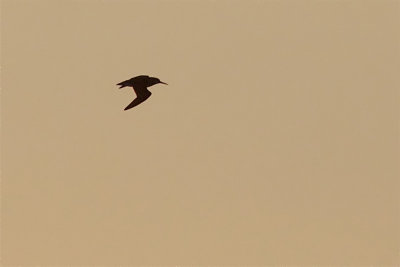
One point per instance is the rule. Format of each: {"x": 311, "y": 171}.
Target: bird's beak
{"x": 164, "y": 83}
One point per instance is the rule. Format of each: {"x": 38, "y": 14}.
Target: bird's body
{"x": 139, "y": 85}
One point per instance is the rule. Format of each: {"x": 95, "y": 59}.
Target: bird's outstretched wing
{"x": 135, "y": 102}
{"x": 142, "y": 94}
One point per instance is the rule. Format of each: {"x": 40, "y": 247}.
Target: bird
{"x": 139, "y": 85}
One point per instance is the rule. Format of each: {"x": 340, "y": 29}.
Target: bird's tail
{"x": 122, "y": 84}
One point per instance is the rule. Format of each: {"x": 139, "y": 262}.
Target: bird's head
{"x": 152, "y": 81}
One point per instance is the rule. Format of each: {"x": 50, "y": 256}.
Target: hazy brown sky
{"x": 276, "y": 141}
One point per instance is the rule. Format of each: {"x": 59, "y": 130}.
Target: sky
{"x": 275, "y": 142}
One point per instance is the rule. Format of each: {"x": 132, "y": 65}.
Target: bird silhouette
{"x": 139, "y": 85}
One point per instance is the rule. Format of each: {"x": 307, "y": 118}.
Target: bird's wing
{"x": 135, "y": 102}
{"x": 142, "y": 94}
{"x": 141, "y": 91}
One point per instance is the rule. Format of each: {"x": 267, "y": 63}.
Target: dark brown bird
{"x": 139, "y": 85}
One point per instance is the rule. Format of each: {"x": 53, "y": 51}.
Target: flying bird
{"x": 139, "y": 85}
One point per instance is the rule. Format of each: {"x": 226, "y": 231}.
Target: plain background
{"x": 275, "y": 142}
